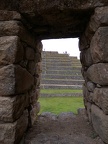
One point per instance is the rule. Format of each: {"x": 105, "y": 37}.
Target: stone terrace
{"x": 60, "y": 71}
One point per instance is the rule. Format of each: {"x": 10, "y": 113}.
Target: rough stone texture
{"x": 99, "y": 45}
{"x": 85, "y": 57}
{"x": 11, "y": 50}
{"x": 6, "y": 15}
{"x": 14, "y": 80}
{"x": 11, "y": 108}
{"x": 30, "y": 54}
{"x": 100, "y": 97}
{"x": 12, "y": 133}
{"x": 24, "y": 80}
{"x": 100, "y": 122}
{"x": 97, "y": 73}
{"x": 10, "y": 28}
{"x": 90, "y": 86}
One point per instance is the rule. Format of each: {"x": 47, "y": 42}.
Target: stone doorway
{"x": 22, "y": 26}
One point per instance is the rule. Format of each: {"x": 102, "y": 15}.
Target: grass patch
{"x": 61, "y": 104}
{"x": 59, "y": 91}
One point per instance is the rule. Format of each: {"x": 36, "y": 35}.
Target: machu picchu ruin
{"x": 61, "y": 71}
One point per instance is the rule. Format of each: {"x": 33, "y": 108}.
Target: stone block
{"x": 89, "y": 111}
{"x": 100, "y": 122}
{"x": 99, "y": 45}
{"x": 85, "y": 57}
{"x": 14, "y": 80}
{"x": 31, "y": 67}
{"x": 6, "y": 15}
{"x": 100, "y": 98}
{"x": 90, "y": 86}
{"x": 83, "y": 43}
{"x": 98, "y": 73}
{"x": 10, "y": 28}
{"x": 11, "y": 133}
{"x": 87, "y": 95}
{"x": 11, "y": 108}
{"x": 23, "y": 80}
{"x": 39, "y": 47}
{"x": 30, "y": 53}
{"x": 11, "y": 50}
{"x": 34, "y": 111}
{"x": 100, "y": 18}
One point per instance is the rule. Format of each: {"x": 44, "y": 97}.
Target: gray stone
{"x": 100, "y": 98}
{"x": 9, "y": 28}
{"x": 85, "y": 57}
{"x": 11, "y": 50}
{"x": 11, "y": 133}
{"x": 14, "y": 80}
{"x": 98, "y": 47}
{"x": 90, "y": 86}
{"x": 89, "y": 111}
{"x": 48, "y": 116}
{"x": 100, "y": 122}
{"x": 11, "y": 108}
{"x": 65, "y": 116}
{"x": 98, "y": 73}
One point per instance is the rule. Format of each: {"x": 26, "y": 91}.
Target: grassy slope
{"x": 59, "y": 91}
{"x": 61, "y": 104}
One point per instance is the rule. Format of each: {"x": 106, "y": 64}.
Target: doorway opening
{"x": 61, "y": 79}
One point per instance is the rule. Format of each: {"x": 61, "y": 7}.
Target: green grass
{"x": 59, "y": 91}
{"x": 61, "y": 104}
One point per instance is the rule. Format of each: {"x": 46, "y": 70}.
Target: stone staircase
{"x": 61, "y": 71}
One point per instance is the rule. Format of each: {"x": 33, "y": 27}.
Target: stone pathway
{"x": 65, "y": 128}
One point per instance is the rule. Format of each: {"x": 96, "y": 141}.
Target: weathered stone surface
{"x": 87, "y": 95}
{"x": 24, "y": 80}
{"x": 7, "y": 80}
{"x": 100, "y": 97}
{"x": 85, "y": 58}
{"x": 100, "y": 18}
{"x": 11, "y": 108}
{"x": 14, "y": 80}
{"x": 99, "y": 45}
{"x": 100, "y": 122}
{"x": 11, "y": 133}
{"x": 11, "y": 50}
{"x": 9, "y": 15}
{"x": 10, "y": 28}
{"x": 30, "y": 53}
{"x": 39, "y": 47}
{"x": 83, "y": 42}
{"x": 98, "y": 73}
{"x": 31, "y": 67}
{"x": 34, "y": 111}
{"x": 90, "y": 86}
{"x": 89, "y": 111}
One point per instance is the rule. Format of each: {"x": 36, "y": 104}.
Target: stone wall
{"x": 20, "y": 57}
{"x": 94, "y": 58}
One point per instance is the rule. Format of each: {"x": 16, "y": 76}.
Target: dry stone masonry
{"x": 20, "y": 56}
{"x": 23, "y": 24}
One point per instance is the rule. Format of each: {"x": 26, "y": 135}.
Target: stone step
{"x": 60, "y": 64}
{"x": 62, "y": 68}
{"x": 53, "y": 86}
{"x": 62, "y": 72}
{"x": 46, "y": 76}
{"x": 62, "y": 95}
{"x": 62, "y": 82}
